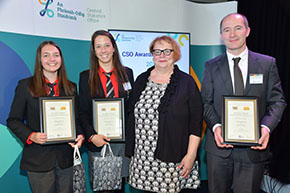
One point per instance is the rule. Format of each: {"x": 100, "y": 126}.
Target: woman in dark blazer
{"x": 164, "y": 124}
{"x": 104, "y": 58}
{"x": 49, "y": 167}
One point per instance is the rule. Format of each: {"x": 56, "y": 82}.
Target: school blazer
{"x": 24, "y": 118}
{"x": 85, "y": 102}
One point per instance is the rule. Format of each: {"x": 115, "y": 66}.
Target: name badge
{"x": 256, "y": 78}
{"x": 127, "y": 86}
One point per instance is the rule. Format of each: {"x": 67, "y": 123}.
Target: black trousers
{"x": 57, "y": 180}
{"x": 236, "y": 173}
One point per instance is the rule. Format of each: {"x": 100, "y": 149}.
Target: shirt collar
{"x": 47, "y": 81}
{"x": 101, "y": 70}
{"x": 243, "y": 55}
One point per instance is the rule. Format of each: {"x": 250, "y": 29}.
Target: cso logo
{"x": 46, "y": 11}
{"x": 127, "y": 54}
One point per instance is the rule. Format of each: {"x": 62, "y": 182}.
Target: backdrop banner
{"x": 70, "y": 23}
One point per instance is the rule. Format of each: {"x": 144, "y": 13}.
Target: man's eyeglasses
{"x": 166, "y": 52}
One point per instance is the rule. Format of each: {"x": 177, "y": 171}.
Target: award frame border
{"x": 257, "y": 126}
{"x": 43, "y": 129}
{"x": 122, "y": 115}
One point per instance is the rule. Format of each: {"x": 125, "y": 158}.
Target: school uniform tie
{"x": 239, "y": 83}
{"x": 51, "y": 90}
{"x": 109, "y": 86}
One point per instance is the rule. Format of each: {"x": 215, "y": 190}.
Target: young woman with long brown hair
{"x": 49, "y": 167}
{"x": 104, "y": 58}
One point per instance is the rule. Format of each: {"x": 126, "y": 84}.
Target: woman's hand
{"x": 188, "y": 160}
{"x": 187, "y": 164}
{"x": 99, "y": 140}
{"x": 79, "y": 141}
{"x": 39, "y": 138}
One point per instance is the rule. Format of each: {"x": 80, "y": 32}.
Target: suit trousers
{"x": 235, "y": 173}
{"x": 56, "y": 180}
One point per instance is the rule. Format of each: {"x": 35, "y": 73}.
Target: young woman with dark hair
{"x": 49, "y": 167}
{"x": 104, "y": 58}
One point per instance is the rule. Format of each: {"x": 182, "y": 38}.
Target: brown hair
{"x": 175, "y": 46}
{"x": 119, "y": 70}
{"x": 37, "y": 86}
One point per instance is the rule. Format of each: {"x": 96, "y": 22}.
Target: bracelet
{"x": 90, "y": 139}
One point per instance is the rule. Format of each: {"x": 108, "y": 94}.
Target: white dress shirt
{"x": 243, "y": 65}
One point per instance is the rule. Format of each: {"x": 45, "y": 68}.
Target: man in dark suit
{"x": 236, "y": 168}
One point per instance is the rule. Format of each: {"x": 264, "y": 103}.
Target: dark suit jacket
{"x": 85, "y": 102}
{"x": 217, "y": 82}
{"x": 180, "y": 115}
{"x": 24, "y": 118}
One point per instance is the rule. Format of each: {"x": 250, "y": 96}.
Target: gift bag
{"x": 79, "y": 177}
{"x": 105, "y": 170}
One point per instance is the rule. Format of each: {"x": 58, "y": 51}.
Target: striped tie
{"x": 109, "y": 85}
{"x": 51, "y": 90}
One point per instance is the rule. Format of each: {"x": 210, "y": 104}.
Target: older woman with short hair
{"x": 164, "y": 124}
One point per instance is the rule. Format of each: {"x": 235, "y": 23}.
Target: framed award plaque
{"x": 240, "y": 120}
{"x": 108, "y": 118}
{"x": 57, "y": 119}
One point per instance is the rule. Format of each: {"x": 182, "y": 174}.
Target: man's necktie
{"x": 109, "y": 85}
{"x": 239, "y": 83}
{"x": 51, "y": 90}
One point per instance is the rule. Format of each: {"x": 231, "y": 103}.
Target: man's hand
{"x": 219, "y": 139}
{"x": 264, "y": 139}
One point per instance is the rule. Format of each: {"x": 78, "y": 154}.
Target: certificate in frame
{"x": 57, "y": 119}
{"x": 240, "y": 120}
{"x": 109, "y": 119}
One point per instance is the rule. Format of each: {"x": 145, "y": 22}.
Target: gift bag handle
{"x": 77, "y": 156}
{"x": 103, "y": 152}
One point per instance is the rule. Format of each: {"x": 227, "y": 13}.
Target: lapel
{"x": 102, "y": 92}
{"x": 253, "y": 68}
{"x": 226, "y": 75}
{"x": 120, "y": 89}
